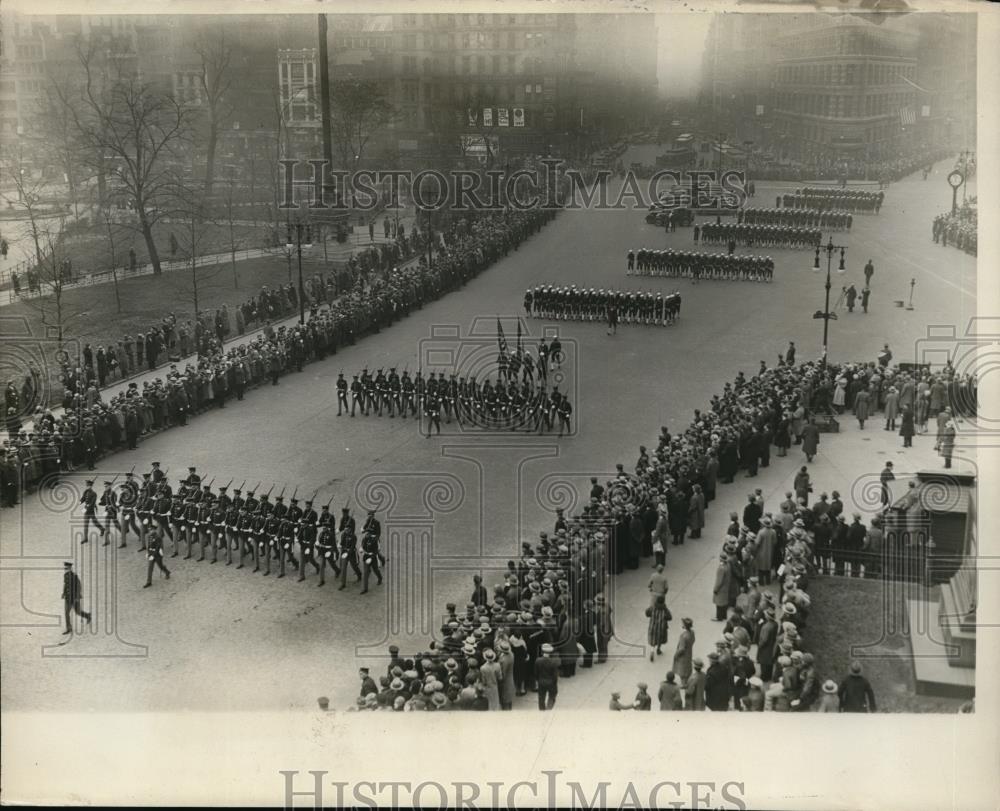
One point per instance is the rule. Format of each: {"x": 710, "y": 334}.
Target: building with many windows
{"x": 842, "y": 85}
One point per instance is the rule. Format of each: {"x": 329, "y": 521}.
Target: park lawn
{"x": 89, "y": 247}
{"x": 847, "y": 613}
{"x": 93, "y": 316}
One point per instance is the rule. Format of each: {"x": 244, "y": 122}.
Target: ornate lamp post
{"x": 825, "y": 313}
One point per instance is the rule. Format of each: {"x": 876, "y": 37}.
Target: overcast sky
{"x": 682, "y": 40}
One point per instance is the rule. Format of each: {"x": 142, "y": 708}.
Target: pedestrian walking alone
{"x": 72, "y": 594}
{"x": 862, "y": 401}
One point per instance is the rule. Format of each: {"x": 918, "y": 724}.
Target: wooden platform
{"x": 932, "y": 671}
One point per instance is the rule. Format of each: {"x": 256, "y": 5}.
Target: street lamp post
{"x": 297, "y": 230}
{"x": 825, "y": 313}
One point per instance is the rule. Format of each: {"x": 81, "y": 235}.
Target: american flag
{"x": 907, "y": 116}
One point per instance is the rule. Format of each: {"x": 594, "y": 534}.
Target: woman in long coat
{"x": 810, "y": 440}
{"x": 783, "y": 434}
{"x": 490, "y": 676}
{"x": 840, "y": 395}
{"x": 685, "y": 651}
{"x": 659, "y": 616}
{"x": 798, "y": 422}
{"x": 891, "y": 408}
{"x": 861, "y": 403}
{"x": 720, "y": 592}
{"x": 906, "y": 427}
{"x": 696, "y": 512}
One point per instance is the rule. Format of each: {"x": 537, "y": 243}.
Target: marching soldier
{"x": 407, "y": 402}
{"x": 395, "y": 388}
{"x": 373, "y": 526}
{"x": 348, "y": 552}
{"x": 432, "y": 412}
{"x": 154, "y": 557}
{"x": 564, "y": 410}
{"x": 286, "y": 541}
{"x": 307, "y": 544}
{"x": 161, "y": 510}
{"x": 370, "y": 557}
{"x": 144, "y": 509}
{"x": 341, "y": 394}
{"x": 231, "y": 531}
{"x": 245, "y": 535}
{"x": 191, "y": 524}
{"x": 217, "y": 522}
{"x": 129, "y": 501}
{"x": 109, "y": 500}
{"x": 259, "y": 535}
{"x": 326, "y": 549}
{"x": 271, "y": 539}
{"x": 357, "y": 396}
{"x": 89, "y": 502}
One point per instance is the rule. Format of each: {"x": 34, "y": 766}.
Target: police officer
{"x": 154, "y": 557}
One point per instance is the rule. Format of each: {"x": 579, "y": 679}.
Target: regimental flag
{"x": 518, "y": 116}
{"x": 502, "y": 117}
{"x": 907, "y": 116}
{"x": 487, "y": 116}
{"x": 501, "y": 338}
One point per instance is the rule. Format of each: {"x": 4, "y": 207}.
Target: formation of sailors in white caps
{"x": 519, "y": 400}
{"x": 833, "y": 199}
{"x": 797, "y": 217}
{"x": 757, "y": 235}
{"x": 239, "y": 526}
{"x": 589, "y": 304}
{"x": 698, "y": 265}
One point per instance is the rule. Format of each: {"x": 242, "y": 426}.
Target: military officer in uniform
{"x": 154, "y": 557}
{"x": 72, "y": 594}
{"x": 341, "y": 394}
{"x": 89, "y": 502}
{"x": 109, "y": 500}
{"x": 357, "y": 396}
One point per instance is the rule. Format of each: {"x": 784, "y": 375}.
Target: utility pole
{"x": 324, "y": 90}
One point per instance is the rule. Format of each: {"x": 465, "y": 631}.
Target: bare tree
{"x": 359, "y": 110}
{"x": 215, "y": 55}
{"x": 136, "y": 133}
{"x": 49, "y": 279}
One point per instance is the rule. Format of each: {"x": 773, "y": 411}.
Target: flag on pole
{"x": 519, "y": 336}
{"x": 501, "y": 339}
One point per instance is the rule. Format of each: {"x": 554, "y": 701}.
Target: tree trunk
{"x": 147, "y": 234}
{"x": 213, "y": 137}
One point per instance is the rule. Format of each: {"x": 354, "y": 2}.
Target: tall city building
{"x": 842, "y": 85}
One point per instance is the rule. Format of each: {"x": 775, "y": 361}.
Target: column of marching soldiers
{"x": 519, "y": 400}
{"x": 256, "y": 529}
{"x": 589, "y": 304}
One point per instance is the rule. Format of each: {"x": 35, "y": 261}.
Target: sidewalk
{"x": 161, "y": 370}
{"x": 849, "y": 462}
{"x": 333, "y": 251}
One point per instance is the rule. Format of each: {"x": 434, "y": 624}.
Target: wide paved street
{"x": 216, "y": 638}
